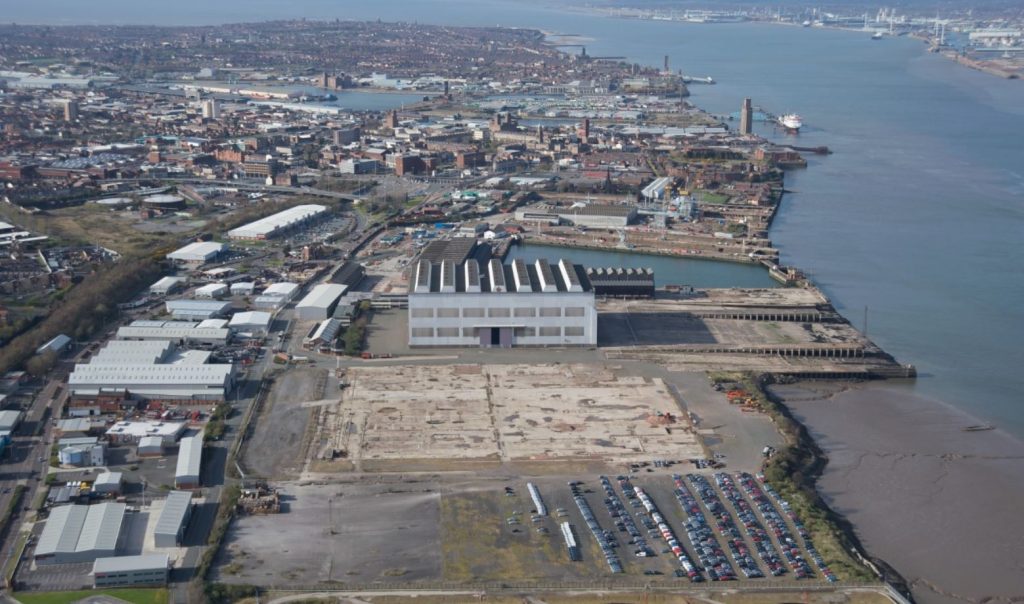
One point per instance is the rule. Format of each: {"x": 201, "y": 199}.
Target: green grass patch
{"x": 135, "y": 596}
{"x": 716, "y": 198}
{"x": 793, "y": 472}
{"x": 12, "y": 562}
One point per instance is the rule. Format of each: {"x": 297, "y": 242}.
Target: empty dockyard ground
{"x": 408, "y": 532}
{"x": 392, "y": 416}
{"x": 275, "y": 449}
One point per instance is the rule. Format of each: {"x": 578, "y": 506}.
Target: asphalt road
{"x": 21, "y": 465}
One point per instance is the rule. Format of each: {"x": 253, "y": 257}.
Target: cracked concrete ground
{"x": 940, "y": 504}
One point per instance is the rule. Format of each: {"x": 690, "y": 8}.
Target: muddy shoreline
{"x": 910, "y": 487}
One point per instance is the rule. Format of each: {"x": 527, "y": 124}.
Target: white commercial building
{"x": 212, "y": 291}
{"x": 251, "y": 322}
{"x": 167, "y": 285}
{"x": 150, "y": 446}
{"x": 108, "y": 483}
{"x": 146, "y": 570}
{"x": 197, "y": 309}
{"x": 243, "y": 288}
{"x": 320, "y": 302}
{"x": 276, "y": 296}
{"x": 275, "y": 224}
{"x": 175, "y": 331}
{"x": 179, "y": 383}
{"x": 522, "y": 304}
{"x": 59, "y": 344}
{"x": 80, "y": 533}
{"x": 133, "y": 352}
{"x": 197, "y": 253}
{"x": 133, "y": 432}
{"x": 173, "y": 520}
{"x": 190, "y": 460}
{"x": 81, "y": 452}
{"x": 10, "y": 419}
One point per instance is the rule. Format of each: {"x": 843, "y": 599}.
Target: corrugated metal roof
{"x": 171, "y": 375}
{"x": 102, "y": 527}
{"x": 9, "y": 419}
{"x": 266, "y": 227}
{"x": 173, "y": 332}
{"x": 197, "y": 250}
{"x": 190, "y": 457}
{"x": 322, "y": 295}
{"x": 176, "y": 508}
{"x": 108, "y": 478}
{"x": 82, "y": 528}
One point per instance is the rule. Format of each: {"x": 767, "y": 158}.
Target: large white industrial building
{"x": 183, "y": 383}
{"x": 197, "y": 309}
{"x": 320, "y": 302}
{"x": 197, "y": 253}
{"x": 173, "y": 519}
{"x": 521, "y": 304}
{"x": 586, "y": 215}
{"x": 80, "y": 533}
{"x": 190, "y": 460}
{"x": 275, "y": 224}
{"x": 167, "y": 285}
{"x": 276, "y": 295}
{"x": 174, "y": 331}
{"x": 255, "y": 323}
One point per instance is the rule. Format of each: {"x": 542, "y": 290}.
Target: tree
{"x": 41, "y": 364}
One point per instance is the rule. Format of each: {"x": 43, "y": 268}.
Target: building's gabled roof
{"x": 539, "y": 276}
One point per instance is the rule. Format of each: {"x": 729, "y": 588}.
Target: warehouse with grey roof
{"x": 80, "y": 533}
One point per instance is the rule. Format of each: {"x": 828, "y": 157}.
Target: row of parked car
{"x": 777, "y": 525}
{"x": 745, "y": 514}
{"x": 801, "y": 530}
{"x": 725, "y": 526}
{"x": 605, "y": 539}
{"x": 701, "y": 537}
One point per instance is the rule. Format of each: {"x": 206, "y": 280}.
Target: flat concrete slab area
{"x": 507, "y": 413}
{"x": 338, "y": 533}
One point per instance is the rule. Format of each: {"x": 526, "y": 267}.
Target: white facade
{"x": 108, "y": 483}
{"x": 166, "y": 285}
{"x": 155, "y": 382}
{"x": 275, "y": 224}
{"x": 190, "y": 458}
{"x": 197, "y": 309}
{"x": 196, "y": 253}
{"x": 173, "y": 331}
{"x": 320, "y": 302}
{"x": 131, "y": 432}
{"x": 174, "y": 517}
{"x": 131, "y": 571}
{"x": 252, "y": 322}
{"x": 212, "y": 291}
{"x": 150, "y": 446}
{"x": 508, "y": 306}
{"x": 9, "y": 419}
{"x": 243, "y": 288}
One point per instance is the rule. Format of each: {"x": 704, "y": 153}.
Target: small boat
{"x": 979, "y": 428}
{"x": 806, "y": 24}
{"x": 791, "y": 122}
{"x": 876, "y": 36}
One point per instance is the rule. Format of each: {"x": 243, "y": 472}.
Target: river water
{"x": 668, "y": 270}
{"x": 918, "y": 215}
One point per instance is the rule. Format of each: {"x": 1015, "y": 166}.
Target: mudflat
{"x": 941, "y": 504}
